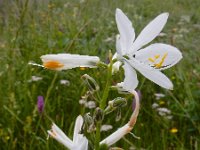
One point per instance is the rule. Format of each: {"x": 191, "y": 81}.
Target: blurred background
{"x": 168, "y": 120}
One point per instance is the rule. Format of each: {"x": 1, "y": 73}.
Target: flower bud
{"x": 98, "y": 114}
{"x": 119, "y": 102}
{"x": 114, "y": 104}
{"x": 89, "y": 123}
{"x": 90, "y": 82}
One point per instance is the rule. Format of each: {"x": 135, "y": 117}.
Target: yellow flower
{"x": 173, "y": 130}
{"x": 162, "y": 102}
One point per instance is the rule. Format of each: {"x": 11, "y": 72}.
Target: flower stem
{"x": 107, "y": 88}
{"x": 98, "y": 135}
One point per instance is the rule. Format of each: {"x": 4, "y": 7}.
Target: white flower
{"x": 65, "y": 82}
{"x": 79, "y": 142}
{"x": 159, "y": 95}
{"x": 163, "y": 111}
{"x": 106, "y": 127}
{"x": 67, "y": 61}
{"x": 35, "y": 78}
{"x": 90, "y": 104}
{"x": 148, "y": 61}
{"x": 154, "y": 105}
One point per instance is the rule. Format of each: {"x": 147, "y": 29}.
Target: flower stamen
{"x": 53, "y": 64}
{"x": 159, "y": 65}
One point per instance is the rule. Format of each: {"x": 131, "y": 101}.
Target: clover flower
{"x": 148, "y": 61}
{"x": 40, "y": 104}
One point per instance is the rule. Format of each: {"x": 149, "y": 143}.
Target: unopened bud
{"x": 98, "y": 114}
{"x": 90, "y": 82}
{"x": 89, "y": 123}
{"x": 119, "y": 102}
{"x": 88, "y": 120}
{"x": 114, "y": 104}
{"x": 110, "y": 55}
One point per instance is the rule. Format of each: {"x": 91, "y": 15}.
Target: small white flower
{"x": 35, "y": 78}
{"x": 90, "y": 104}
{"x": 82, "y": 101}
{"x": 159, "y": 95}
{"x": 163, "y": 110}
{"x": 154, "y": 105}
{"x": 79, "y": 142}
{"x": 64, "y": 82}
{"x": 148, "y": 61}
{"x": 106, "y": 127}
{"x": 67, "y": 61}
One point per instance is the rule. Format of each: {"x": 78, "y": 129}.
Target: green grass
{"x": 29, "y": 29}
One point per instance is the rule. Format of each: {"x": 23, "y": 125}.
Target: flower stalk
{"x": 107, "y": 87}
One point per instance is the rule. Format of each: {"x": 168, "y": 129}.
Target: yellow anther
{"x": 151, "y": 60}
{"x": 159, "y": 65}
{"x": 53, "y": 65}
{"x": 156, "y": 56}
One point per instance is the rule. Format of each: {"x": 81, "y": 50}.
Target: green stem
{"x": 98, "y": 135}
{"x": 107, "y": 88}
{"x": 103, "y": 103}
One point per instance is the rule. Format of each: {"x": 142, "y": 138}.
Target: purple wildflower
{"x": 40, "y": 104}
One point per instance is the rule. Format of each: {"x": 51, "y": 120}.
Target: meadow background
{"x": 31, "y": 28}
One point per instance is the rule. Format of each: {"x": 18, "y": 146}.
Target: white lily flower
{"x": 67, "y": 61}
{"x": 79, "y": 142}
{"x": 148, "y": 61}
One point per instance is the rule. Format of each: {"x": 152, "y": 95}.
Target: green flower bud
{"x": 90, "y": 82}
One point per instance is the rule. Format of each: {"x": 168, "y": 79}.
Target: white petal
{"x": 116, "y": 66}
{"x": 69, "y": 61}
{"x": 116, "y": 136}
{"x": 118, "y": 46}
{"x": 58, "y": 134}
{"x": 150, "y": 31}
{"x": 130, "y": 80}
{"x": 127, "y": 33}
{"x": 152, "y": 74}
{"x": 148, "y": 55}
{"x": 79, "y": 140}
{"x": 77, "y": 129}
{"x": 82, "y": 145}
